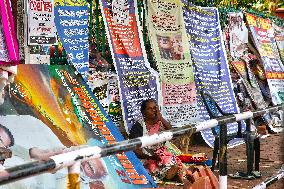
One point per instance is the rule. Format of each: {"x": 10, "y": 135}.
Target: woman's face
{"x": 151, "y": 110}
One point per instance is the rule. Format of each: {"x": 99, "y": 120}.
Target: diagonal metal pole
{"x": 86, "y": 153}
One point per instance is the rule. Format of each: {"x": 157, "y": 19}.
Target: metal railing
{"x": 70, "y": 159}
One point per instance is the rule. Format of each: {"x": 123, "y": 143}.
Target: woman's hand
{"x": 165, "y": 123}
{"x": 155, "y": 157}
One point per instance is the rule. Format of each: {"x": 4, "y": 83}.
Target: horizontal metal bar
{"x": 69, "y": 158}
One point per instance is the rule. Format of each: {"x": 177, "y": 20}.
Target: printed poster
{"x": 41, "y": 28}
{"x": 251, "y": 85}
{"x": 73, "y": 29}
{"x": 238, "y": 33}
{"x": 210, "y": 64}
{"x": 265, "y": 43}
{"x": 171, "y": 50}
{"x": 279, "y": 38}
{"x": 114, "y": 106}
{"x": 4, "y": 57}
{"x": 39, "y": 54}
{"x": 105, "y": 87}
{"x": 56, "y": 109}
{"x": 238, "y": 37}
{"x": 137, "y": 81}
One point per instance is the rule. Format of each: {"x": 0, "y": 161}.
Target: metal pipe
{"x": 271, "y": 180}
{"x": 69, "y": 158}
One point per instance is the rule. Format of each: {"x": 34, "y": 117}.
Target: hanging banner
{"x": 72, "y": 26}
{"x": 65, "y": 113}
{"x": 238, "y": 33}
{"x": 171, "y": 50}
{"x": 41, "y": 28}
{"x": 210, "y": 64}
{"x": 39, "y": 54}
{"x": 8, "y": 35}
{"x": 265, "y": 43}
{"x": 238, "y": 37}
{"x": 253, "y": 90}
{"x": 114, "y": 106}
{"x": 137, "y": 81}
{"x": 279, "y": 38}
{"x": 4, "y": 57}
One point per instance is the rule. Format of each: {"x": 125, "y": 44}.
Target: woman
{"x": 158, "y": 160}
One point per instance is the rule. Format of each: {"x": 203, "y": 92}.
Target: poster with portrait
{"x": 264, "y": 40}
{"x": 137, "y": 81}
{"x": 41, "y": 27}
{"x": 171, "y": 52}
{"x": 210, "y": 64}
{"x": 56, "y": 109}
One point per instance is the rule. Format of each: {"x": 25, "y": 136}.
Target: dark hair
{"x": 9, "y": 134}
{"x": 144, "y": 104}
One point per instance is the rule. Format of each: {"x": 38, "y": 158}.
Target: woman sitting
{"x": 158, "y": 160}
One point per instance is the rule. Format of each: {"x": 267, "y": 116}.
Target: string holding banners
{"x": 263, "y": 36}
{"x": 210, "y": 65}
{"x": 73, "y": 29}
{"x": 171, "y": 50}
{"x": 137, "y": 81}
{"x": 41, "y": 28}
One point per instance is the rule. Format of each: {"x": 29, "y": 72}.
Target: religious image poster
{"x": 210, "y": 64}
{"x": 137, "y": 81}
{"x": 171, "y": 50}
{"x": 56, "y": 109}
{"x": 72, "y": 24}
{"x": 263, "y": 36}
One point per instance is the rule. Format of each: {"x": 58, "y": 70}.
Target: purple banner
{"x": 137, "y": 81}
{"x": 210, "y": 64}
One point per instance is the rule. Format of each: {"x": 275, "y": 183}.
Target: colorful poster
{"x": 137, "y": 81}
{"x": 251, "y": 85}
{"x": 238, "y": 37}
{"x": 41, "y": 28}
{"x": 265, "y": 43}
{"x": 171, "y": 50}
{"x": 114, "y": 106}
{"x": 56, "y": 109}
{"x": 72, "y": 26}
{"x": 4, "y": 57}
{"x": 238, "y": 33}
{"x": 9, "y": 33}
{"x": 39, "y": 54}
{"x": 279, "y": 38}
{"x": 210, "y": 64}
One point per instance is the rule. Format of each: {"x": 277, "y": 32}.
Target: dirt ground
{"x": 271, "y": 159}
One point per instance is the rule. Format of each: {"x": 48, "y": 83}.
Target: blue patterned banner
{"x": 209, "y": 61}
{"x": 73, "y": 30}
